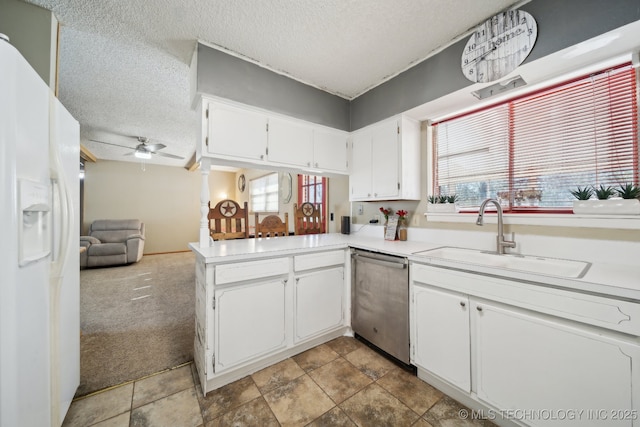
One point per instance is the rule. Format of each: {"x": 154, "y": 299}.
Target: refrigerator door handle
{"x": 66, "y": 213}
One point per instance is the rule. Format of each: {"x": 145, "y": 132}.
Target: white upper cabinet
{"x": 235, "y": 132}
{"x": 307, "y": 146}
{"x": 330, "y": 148}
{"x": 385, "y": 161}
{"x": 246, "y": 136}
{"x": 290, "y": 143}
{"x": 360, "y": 177}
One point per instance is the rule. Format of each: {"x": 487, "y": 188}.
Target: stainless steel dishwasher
{"x": 380, "y": 301}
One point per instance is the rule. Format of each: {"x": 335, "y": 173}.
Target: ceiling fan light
{"x": 142, "y": 155}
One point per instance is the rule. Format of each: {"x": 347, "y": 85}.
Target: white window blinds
{"x": 532, "y": 151}
{"x": 264, "y": 192}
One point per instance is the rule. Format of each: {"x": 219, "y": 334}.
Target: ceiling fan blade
{"x": 110, "y": 143}
{"x": 169, "y": 155}
{"x": 154, "y": 147}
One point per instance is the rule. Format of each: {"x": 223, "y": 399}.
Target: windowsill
{"x": 624, "y": 222}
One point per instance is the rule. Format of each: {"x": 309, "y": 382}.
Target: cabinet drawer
{"x": 609, "y": 313}
{"x": 241, "y": 271}
{"x": 318, "y": 260}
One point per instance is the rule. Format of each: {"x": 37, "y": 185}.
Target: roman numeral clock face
{"x": 499, "y": 46}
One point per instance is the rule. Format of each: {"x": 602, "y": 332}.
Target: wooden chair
{"x": 228, "y": 221}
{"x": 308, "y": 219}
{"x": 272, "y": 226}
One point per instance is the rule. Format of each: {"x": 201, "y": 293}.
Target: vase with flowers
{"x": 402, "y": 224}
{"x": 386, "y": 212}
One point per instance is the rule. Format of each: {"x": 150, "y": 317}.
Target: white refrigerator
{"x": 39, "y": 243}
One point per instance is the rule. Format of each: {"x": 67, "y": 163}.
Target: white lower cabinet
{"x": 531, "y": 362}
{"x": 441, "y": 335}
{"x": 256, "y": 312}
{"x": 318, "y": 303}
{"x": 514, "y": 358}
{"x": 250, "y": 322}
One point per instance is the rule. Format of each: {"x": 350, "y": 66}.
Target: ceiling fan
{"x": 144, "y": 149}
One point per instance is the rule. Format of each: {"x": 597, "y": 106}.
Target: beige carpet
{"x": 136, "y": 319}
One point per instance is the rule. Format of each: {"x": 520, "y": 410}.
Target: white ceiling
{"x": 124, "y": 64}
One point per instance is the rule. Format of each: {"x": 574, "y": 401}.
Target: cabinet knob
{"x": 308, "y": 163}
{"x": 316, "y": 164}
{"x": 368, "y": 194}
{"x": 285, "y": 281}
{"x": 261, "y": 156}
{"x": 463, "y": 304}
{"x": 297, "y": 279}
{"x": 479, "y": 308}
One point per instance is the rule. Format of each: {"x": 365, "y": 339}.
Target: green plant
{"x": 628, "y": 191}
{"x": 603, "y": 193}
{"x": 442, "y": 198}
{"x": 452, "y": 198}
{"x": 582, "y": 193}
{"x": 433, "y": 199}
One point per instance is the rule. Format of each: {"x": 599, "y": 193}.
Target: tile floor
{"x": 340, "y": 383}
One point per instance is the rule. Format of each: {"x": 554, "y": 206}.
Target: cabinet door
{"x": 319, "y": 303}
{"x": 290, "y": 143}
{"x": 236, "y": 132}
{"x": 441, "y": 335}
{"x": 535, "y": 362}
{"x": 330, "y": 150}
{"x": 250, "y": 322}
{"x": 384, "y": 161}
{"x": 360, "y": 177}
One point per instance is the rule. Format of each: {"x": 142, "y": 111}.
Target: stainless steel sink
{"x": 530, "y": 264}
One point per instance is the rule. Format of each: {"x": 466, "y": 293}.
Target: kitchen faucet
{"x": 501, "y": 243}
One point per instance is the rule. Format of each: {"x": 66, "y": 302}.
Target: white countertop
{"x": 621, "y": 281}
{"x": 244, "y": 249}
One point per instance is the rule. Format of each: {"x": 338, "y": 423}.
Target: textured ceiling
{"x": 124, "y": 64}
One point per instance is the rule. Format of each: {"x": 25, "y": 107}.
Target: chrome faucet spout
{"x": 501, "y": 243}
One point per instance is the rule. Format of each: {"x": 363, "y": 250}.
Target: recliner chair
{"x": 112, "y": 242}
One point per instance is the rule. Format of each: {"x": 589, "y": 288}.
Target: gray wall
{"x": 30, "y": 29}
{"x": 229, "y": 77}
{"x": 560, "y": 24}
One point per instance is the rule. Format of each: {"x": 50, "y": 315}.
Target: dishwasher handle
{"x": 392, "y": 262}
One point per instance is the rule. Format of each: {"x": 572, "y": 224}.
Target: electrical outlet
{"x": 360, "y": 209}
{"x": 416, "y": 220}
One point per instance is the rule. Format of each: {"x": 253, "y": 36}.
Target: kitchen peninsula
{"x": 474, "y": 328}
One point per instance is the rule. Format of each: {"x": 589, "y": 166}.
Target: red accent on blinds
{"x": 530, "y": 152}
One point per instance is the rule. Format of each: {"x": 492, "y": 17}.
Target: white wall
{"x": 165, "y": 198}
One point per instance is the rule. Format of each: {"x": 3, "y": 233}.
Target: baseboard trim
{"x": 169, "y": 252}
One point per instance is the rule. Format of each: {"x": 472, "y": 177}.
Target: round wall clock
{"x": 498, "y": 46}
{"x": 241, "y": 183}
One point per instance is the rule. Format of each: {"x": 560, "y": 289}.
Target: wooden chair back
{"x": 308, "y": 219}
{"x": 227, "y": 220}
{"x": 272, "y": 226}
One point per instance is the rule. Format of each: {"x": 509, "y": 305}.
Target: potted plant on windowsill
{"x": 442, "y": 204}
{"x": 626, "y": 202}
